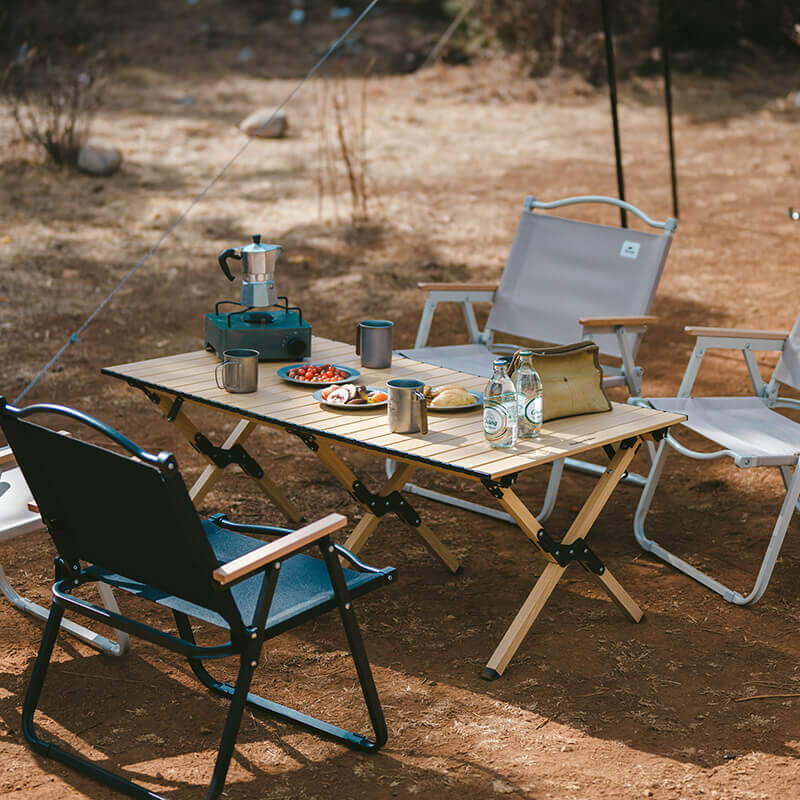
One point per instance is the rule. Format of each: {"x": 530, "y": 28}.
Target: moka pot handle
{"x": 223, "y": 260}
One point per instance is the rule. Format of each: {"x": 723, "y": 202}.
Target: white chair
{"x": 747, "y": 428}
{"x": 564, "y": 280}
{"x": 18, "y": 517}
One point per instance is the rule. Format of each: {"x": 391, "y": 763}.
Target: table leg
{"x": 212, "y": 472}
{"x": 369, "y": 522}
{"x": 366, "y": 526}
{"x": 553, "y": 571}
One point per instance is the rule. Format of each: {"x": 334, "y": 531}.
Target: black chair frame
{"x": 246, "y": 641}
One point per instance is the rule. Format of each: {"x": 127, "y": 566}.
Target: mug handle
{"x": 423, "y": 413}
{"x": 358, "y": 338}
{"x": 216, "y": 374}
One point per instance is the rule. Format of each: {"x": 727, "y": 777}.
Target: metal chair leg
{"x": 32, "y": 695}
{"x": 93, "y": 770}
{"x": 231, "y": 730}
{"x": 589, "y": 468}
{"x": 356, "y": 643}
{"x": 313, "y": 724}
{"x": 96, "y": 640}
{"x": 37, "y": 679}
{"x": 548, "y": 504}
{"x": 770, "y": 557}
{"x": 786, "y": 476}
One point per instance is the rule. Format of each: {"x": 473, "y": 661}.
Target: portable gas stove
{"x": 279, "y": 335}
{"x": 276, "y": 329}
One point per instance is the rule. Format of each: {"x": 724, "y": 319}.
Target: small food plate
{"x": 478, "y": 401}
{"x": 358, "y": 406}
{"x": 350, "y": 375}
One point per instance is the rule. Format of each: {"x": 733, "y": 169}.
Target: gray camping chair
{"x": 747, "y": 429}
{"x": 564, "y": 280}
{"x": 18, "y": 517}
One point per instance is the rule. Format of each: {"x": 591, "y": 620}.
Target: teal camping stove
{"x": 263, "y": 321}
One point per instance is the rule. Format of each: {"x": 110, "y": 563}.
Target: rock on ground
{"x": 97, "y": 157}
{"x": 256, "y": 124}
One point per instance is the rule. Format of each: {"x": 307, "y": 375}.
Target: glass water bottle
{"x": 529, "y": 397}
{"x": 500, "y": 407}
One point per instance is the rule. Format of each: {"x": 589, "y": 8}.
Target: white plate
{"x": 359, "y": 407}
{"x": 478, "y": 401}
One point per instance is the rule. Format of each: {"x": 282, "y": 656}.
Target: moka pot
{"x": 258, "y": 269}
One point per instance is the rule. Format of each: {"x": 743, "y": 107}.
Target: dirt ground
{"x": 701, "y": 699}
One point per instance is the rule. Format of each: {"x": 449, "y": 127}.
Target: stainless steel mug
{"x": 374, "y": 343}
{"x": 408, "y": 412}
{"x": 239, "y": 371}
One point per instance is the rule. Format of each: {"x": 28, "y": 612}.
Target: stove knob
{"x": 296, "y": 348}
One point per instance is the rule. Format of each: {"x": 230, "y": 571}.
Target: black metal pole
{"x": 662, "y": 19}
{"x": 612, "y": 96}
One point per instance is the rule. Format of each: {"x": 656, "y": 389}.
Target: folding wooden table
{"x": 454, "y": 444}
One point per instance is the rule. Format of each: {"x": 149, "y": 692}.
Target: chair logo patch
{"x": 629, "y": 249}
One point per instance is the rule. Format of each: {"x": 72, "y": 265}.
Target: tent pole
{"x": 662, "y": 18}
{"x": 612, "y": 96}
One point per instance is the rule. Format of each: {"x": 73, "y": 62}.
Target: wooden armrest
{"x": 7, "y": 456}
{"x": 488, "y": 286}
{"x": 735, "y": 333}
{"x": 273, "y": 551}
{"x": 605, "y": 322}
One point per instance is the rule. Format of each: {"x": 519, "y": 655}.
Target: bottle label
{"x": 533, "y": 411}
{"x": 495, "y": 423}
{"x": 496, "y": 417}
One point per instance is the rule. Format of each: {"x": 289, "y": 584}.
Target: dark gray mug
{"x": 374, "y": 343}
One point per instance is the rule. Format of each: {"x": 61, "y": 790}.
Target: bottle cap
{"x": 498, "y": 362}
{"x": 526, "y": 352}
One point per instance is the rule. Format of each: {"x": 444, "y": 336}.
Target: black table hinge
{"x": 151, "y": 396}
{"x": 660, "y": 434}
{"x": 625, "y": 444}
{"x": 175, "y": 409}
{"x": 394, "y": 503}
{"x": 495, "y": 487}
{"x": 565, "y": 554}
{"x": 306, "y": 438}
{"x": 222, "y": 457}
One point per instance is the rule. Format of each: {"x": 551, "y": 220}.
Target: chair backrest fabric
{"x": 788, "y": 368}
{"x": 119, "y": 513}
{"x": 560, "y": 270}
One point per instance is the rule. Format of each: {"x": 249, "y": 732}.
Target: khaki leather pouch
{"x": 572, "y": 380}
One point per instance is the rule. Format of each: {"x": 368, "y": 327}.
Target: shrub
{"x": 51, "y": 104}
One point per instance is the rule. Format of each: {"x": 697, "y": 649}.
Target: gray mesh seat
{"x": 747, "y": 429}
{"x": 754, "y": 435}
{"x": 303, "y": 591}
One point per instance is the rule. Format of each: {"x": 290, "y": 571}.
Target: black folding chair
{"x": 128, "y": 521}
